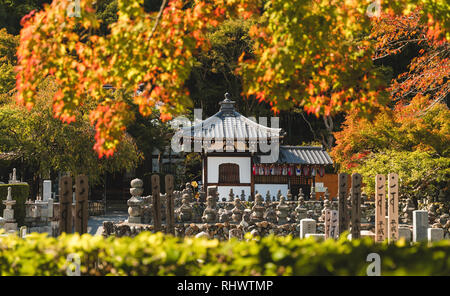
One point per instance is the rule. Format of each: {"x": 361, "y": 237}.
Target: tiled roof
{"x": 230, "y": 125}
{"x": 304, "y": 155}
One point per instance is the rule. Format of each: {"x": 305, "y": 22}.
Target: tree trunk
{"x": 329, "y": 138}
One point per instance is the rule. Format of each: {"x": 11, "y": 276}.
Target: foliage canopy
{"x": 307, "y": 53}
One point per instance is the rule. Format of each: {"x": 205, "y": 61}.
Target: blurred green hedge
{"x": 159, "y": 254}
{"x": 20, "y": 193}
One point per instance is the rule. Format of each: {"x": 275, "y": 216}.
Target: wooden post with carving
{"x": 392, "y": 207}
{"x": 156, "y": 203}
{"x": 334, "y": 223}
{"x": 356, "y": 206}
{"x": 65, "y": 204}
{"x": 170, "y": 207}
{"x": 342, "y": 202}
{"x": 327, "y": 223}
{"x": 380, "y": 208}
{"x": 81, "y": 205}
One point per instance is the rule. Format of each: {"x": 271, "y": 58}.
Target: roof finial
{"x": 227, "y": 104}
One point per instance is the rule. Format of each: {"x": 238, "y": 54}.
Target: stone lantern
{"x": 10, "y": 224}
{"x": 136, "y": 201}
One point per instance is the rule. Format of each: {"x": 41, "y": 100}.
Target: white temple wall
{"x": 224, "y": 191}
{"x": 273, "y": 188}
{"x": 244, "y": 168}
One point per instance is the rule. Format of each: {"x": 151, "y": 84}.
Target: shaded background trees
{"x": 44, "y": 146}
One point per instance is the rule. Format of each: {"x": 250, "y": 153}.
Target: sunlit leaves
{"x": 130, "y": 56}
{"x": 312, "y": 54}
{"x": 403, "y": 140}
{"x": 8, "y": 45}
{"x": 420, "y": 171}
{"x": 404, "y": 128}
{"x": 307, "y": 53}
{"x": 428, "y": 72}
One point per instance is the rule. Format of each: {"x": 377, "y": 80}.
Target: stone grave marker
{"x": 435, "y": 234}
{"x": 356, "y": 206}
{"x": 420, "y": 225}
{"x": 392, "y": 207}
{"x": 81, "y": 205}
{"x": 23, "y": 231}
{"x": 380, "y": 208}
{"x": 47, "y": 190}
{"x": 342, "y": 202}
{"x": 170, "y": 207}
{"x": 50, "y": 208}
{"x": 405, "y": 232}
{"x": 65, "y": 204}
{"x": 307, "y": 226}
{"x": 156, "y": 203}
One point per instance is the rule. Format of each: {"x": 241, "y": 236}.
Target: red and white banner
{"x": 305, "y": 170}
{"x": 321, "y": 171}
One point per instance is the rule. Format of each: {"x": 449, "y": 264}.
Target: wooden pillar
{"x": 81, "y": 206}
{"x": 327, "y": 223}
{"x": 333, "y": 224}
{"x": 156, "y": 203}
{"x": 65, "y": 204}
{"x": 393, "y": 207}
{"x": 356, "y": 206}
{"x": 380, "y": 208}
{"x": 342, "y": 202}
{"x": 170, "y": 207}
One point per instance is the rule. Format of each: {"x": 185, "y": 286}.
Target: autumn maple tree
{"x": 411, "y": 134}
{"x": 404, "y": 140}
{"x": 313, "y": 54}
{"x": 417, "y": 91}
{"x": 154, "y": 50}
{"x": 428, "y": 73}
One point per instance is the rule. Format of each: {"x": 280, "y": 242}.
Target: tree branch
{"x": 309, "y": 124}
{"x": 158, "y": 18}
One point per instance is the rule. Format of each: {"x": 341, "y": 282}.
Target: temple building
{"x": 240, "y": 154}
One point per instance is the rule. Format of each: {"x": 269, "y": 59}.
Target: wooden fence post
{"x": 327, "y": 223}
{"x": 156, "y": 203}
{"x": 393, "y": 207}
{"x": 380, "y": 208}
{"x": 65, "y": 204}
{"x": 356, "y": 206}
{"x": 170, "y": 208}
{"x": 81, "y": 206}
{"x": 333, "y": 224}
{"x": 342, "y": 202}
